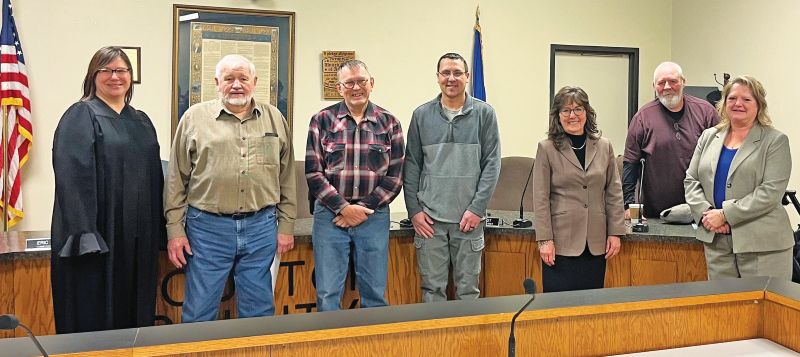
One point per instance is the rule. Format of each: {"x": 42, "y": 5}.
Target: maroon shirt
{"x": 349, "y": 162}
{"x": 667, "y": 147}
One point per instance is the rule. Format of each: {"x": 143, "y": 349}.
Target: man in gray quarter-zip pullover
{"x": 452, "y": 166}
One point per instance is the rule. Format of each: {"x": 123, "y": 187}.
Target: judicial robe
{"x": 107, "y": 218}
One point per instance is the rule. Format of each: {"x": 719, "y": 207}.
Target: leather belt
{"x": 237, "y": 216}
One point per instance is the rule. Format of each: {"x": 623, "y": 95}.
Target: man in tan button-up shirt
{"x": 230, "y": 196}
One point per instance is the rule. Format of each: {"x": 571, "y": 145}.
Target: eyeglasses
{"x": 352, "y": 84}
{"x": 447, "y": 74}
{"x": 120, "y": 72}
{"x": 663, "y": 82}
{"x": 568, "y": 112}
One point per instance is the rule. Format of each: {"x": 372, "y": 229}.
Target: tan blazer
{"x": 574, "y": 206}
{"x": 756, "y": 182}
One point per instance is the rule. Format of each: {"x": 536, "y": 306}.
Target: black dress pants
{"x": 585, "y": 271}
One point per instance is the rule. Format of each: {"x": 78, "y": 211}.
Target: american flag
{"x": 16, "y": 105}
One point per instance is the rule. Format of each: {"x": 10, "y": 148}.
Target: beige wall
{"x": 399, "y": 40}
{"x": 744, "y": 37}
{"x": 605, "y": 79}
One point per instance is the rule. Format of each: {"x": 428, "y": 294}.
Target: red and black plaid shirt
{"x": 348, "y": 162}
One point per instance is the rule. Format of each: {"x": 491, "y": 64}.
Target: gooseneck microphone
{"x": 530, "y": 288}
{"x": 522, "y": 222}
{"x": 10, "y": 322}
{"x": 641, "y": 226}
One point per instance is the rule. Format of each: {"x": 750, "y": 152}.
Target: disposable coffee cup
{"x": 635, "y": 209}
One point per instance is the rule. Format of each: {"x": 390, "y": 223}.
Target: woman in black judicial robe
{"x": 107, "y": 216}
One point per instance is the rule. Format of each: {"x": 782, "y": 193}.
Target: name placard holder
{"x": 37, "y": 244}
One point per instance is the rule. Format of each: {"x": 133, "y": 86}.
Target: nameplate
{"x": 37, "y": 244}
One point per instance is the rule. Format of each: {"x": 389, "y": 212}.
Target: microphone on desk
{"x": 522, "y": 222}
{"x": 10, "y": 322}
{"x": 530, "y": 288}
{"x": 641, "y": 225}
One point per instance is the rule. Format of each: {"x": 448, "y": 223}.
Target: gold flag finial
{"x": 477, "y": 13}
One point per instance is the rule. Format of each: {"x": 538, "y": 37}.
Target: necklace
{"x": 582, "y": 146}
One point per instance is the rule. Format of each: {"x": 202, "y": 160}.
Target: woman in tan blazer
{"x": 577, "y": 197}
{"x": 734, "y": 185}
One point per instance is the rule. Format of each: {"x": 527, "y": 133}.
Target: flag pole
{"x": 5, "y": 168}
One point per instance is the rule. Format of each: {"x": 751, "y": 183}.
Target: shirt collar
{"x": 105, "y": 109}
{"x": 220, "y": 109}
{"x": 370, "y": 113}
{"x": 469, "y": 103}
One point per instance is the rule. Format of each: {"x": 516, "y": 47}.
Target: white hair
{"x": 233, "y": 59}
{"x": 670, "y": 65}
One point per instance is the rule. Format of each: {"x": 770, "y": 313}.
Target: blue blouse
{"x": 721, "y": 177}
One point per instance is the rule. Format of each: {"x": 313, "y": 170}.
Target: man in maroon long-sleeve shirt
{"x": 664, "y": 133}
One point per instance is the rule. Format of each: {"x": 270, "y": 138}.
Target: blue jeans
{"x": 370, "y": 241}
{"x": 220, "y": 244}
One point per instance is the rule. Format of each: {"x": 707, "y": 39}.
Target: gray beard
{"x": 671, "y": 102}
{"x": 236, "y": 101}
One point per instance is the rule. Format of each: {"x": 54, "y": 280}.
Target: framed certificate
{"x": 135, "y": 55}
{"x": 203, "y": 35}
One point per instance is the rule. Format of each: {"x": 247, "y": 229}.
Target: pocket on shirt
{"x": 378, "y": 158}
{"x": 334, "y": 157}
{"x": 266, "y": 149}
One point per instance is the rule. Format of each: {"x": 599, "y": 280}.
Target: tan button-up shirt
{"x": 222, "y": 164}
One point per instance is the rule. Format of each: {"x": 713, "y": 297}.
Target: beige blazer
{"x": 756, "y": 183}
{"x": 574, "y": 206}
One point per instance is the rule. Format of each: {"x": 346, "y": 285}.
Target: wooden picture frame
{"x": 330, "y": 63}
{"x": 135, "y": 55}
{"x": 202, "y": 35}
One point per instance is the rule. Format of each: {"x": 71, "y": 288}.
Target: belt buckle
{"x": 238, "y": 216}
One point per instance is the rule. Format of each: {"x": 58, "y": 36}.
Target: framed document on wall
{"x": 330, "y": 64}
{"x": 203, "y": 35}
{"x": 135, "y": 56}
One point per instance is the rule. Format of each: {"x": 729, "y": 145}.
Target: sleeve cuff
{"x": 285, "y": 227}
{"x": 175, "y": 230}
{"x": 85, "y": 243}
{"x": 476, "y": 211}
{"x": 728, "y": 212}
{"x": 412, "y": 211}
{"x": 618, "y": 232}
{"x": 335, "y": 203}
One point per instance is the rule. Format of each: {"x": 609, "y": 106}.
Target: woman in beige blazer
{"x": 577, "y": 197}
{"x": 734, "y": 185}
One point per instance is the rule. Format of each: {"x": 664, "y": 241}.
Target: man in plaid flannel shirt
{"x": 354, "y": 166}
